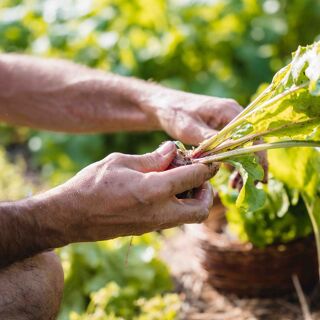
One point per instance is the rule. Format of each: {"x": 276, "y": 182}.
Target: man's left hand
{"x": 192, "y": 118}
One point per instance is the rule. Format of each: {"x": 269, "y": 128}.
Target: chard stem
{"x": 252, "y": 104}
{"x": 256, "y": 148}
{"x": 223, "y": 134}
{"x": 224, "y": 146}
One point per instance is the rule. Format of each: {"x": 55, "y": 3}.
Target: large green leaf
{"x": 286, "y": 114}
{"x": 288, "y": 109}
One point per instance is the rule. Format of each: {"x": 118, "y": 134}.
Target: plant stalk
{"x": 222, "y": 135}
{"x": 256, "y": 148}
{"x": 230, "y": 144}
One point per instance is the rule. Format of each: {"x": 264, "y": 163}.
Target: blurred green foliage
{"x": 13, "y": 183}
{"x": 113, "y": 280}
{"x": 221, "y": 47}
{"x": 282, "y": 218}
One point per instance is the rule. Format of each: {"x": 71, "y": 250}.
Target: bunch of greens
{"x": 103, "y": 282}
{"x": 286, "y": 114}
{"x": 282, "y": 218}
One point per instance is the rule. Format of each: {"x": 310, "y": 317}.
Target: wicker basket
{"x": 245, "y": 270}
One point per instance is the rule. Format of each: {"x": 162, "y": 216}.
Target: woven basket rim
{"x": 219, "y": 241}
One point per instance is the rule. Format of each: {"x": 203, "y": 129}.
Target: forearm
{"x": 62, "y": 96}
{"x": 31, "y": 226}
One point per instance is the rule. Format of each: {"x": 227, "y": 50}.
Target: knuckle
{"x": 200, "y": 175}
{"x": 170, "y": 187}
{"x": 231, "y": 101}
{"x": 234, "y": 105}
{"x": 186, "y": 127}
{"x": 195, "y": 178}
{"x": 153, "y": 160}
{"x": 153, "y": 186}
{"x": 200, "y": 214}
{"x": 115, "y": 157}
{"x": 230, "y": 104}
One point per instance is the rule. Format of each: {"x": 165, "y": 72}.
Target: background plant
{"x": 282, "y": 218}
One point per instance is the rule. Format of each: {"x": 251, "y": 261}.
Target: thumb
{"x": 195, "y": 131}
{"x": 158, "y": 160}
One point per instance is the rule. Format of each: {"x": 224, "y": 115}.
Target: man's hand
{"x": 192, "y": 118}
{"x": 130, "y": 195}
{"x": 117, "y": 196}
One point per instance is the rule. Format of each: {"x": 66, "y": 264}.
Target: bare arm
{"x": 62, "y": 96}
{"x": 119, "y": 195}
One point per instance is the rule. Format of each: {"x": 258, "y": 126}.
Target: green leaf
{"x": 279, "y": 220}
{"x": 281, "y": 111}
{"x": 286, "y": 114}
{"x": 250, "y": 197}
{"x": 297, "y": 168}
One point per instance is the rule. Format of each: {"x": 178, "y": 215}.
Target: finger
{"x": 221, "y": 113}
{"x": 158, "y": 160}
{"x": 236, "y": 181}
{"x": 177, "y": 212}
{"x": 205, "y": 130}
{"x": 192, "y": 130}
{"x": 178, "y": 180}
{"x": 205, "y": 194}
{"x": 263, "y": 160}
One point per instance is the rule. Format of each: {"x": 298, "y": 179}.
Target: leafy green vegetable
{"x": 250, "y": 171}
{"x": 286, "y": 114}
{"x": 286, "y": 109}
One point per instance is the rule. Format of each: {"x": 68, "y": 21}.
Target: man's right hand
{"x": 130, "y": 195}
{"x": 117, "y": 196}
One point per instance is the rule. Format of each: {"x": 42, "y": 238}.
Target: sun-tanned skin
{"x": 61, "y": 96}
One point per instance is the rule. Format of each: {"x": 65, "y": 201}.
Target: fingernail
{"x": 166, "y": 148}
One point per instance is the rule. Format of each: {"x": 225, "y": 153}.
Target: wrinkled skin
{"x": 125, "y": 195}
{"x": 193, "y": 118}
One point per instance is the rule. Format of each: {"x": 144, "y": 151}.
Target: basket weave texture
{"x": 245, "y": 270}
